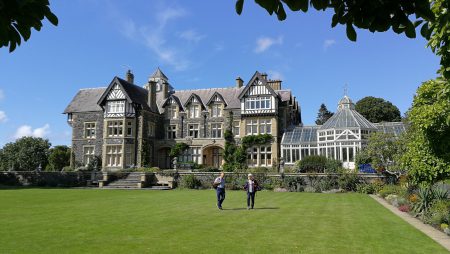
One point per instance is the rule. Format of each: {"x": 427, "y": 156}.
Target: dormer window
{"x": 171, "y": 112}
{"x": 216, "y": 110}
{"x": 115, "y": 107}
{"x": 69, "y": 117}
{"x": 194, "y": 111}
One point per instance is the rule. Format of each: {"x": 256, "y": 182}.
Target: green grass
{"x": 125, "y": 221}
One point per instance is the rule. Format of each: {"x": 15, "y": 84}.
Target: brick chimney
{"x": 152, "y": 96}
{"x": 129, "y": 77}
{"x": 239, "y": 82}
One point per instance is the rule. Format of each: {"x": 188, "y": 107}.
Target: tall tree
{"x": 58, "y": 158}
{"x": 27, "y": 153}
{"x": 323, "y": 115}
{"x": 17, "y": 18}
{"x": 427, "y": 155}
{"x": 378, "y": 110}
{"x": 379, "y": 16}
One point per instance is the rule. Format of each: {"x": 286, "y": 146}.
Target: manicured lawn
{"x": 126, "y": 221}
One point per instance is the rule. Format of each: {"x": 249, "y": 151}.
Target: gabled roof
{"x": 172, "y": 97}
{"x": 218, "y": 95}
{"x": 133, "y": 93}
{"x": 192, "y": 96}
{"x": 85, "y": 101}
{"x": 159, "y": 74}
{"x": 257, "y": 77}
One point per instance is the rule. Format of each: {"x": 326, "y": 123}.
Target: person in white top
{"x": 219, "y": 184}
{"x": 251, "y": 186}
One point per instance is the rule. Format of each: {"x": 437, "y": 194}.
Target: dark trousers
{"x": 251, "y": 197}
{"x": 220, "y": 196}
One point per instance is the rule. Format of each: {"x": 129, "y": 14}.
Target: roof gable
{"x": 172, "y": 99}
{"x": 194, "y": 98}
{"x": 257, "y": 80}
{"x": 216, "y": 97}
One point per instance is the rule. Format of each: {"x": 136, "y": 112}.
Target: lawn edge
{"x": 438, "y": 236}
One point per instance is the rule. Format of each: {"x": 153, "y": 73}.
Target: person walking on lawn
{"x": 219, "y": 184}
{"x": 251, "y": 186}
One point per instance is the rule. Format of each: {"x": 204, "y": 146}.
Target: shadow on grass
{"x": 261, "y": 208}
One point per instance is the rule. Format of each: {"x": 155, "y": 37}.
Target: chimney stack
{"x": 264, "y": 76}
{"x": 152, "y": 96}
{"x": 239, "y": 82}
{"x": 129, "y": 77}
{"x": 165, "y": 89}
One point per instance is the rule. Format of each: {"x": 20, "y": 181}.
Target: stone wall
{"x": 48, "y": 179}
{"x": 78, "y": 140}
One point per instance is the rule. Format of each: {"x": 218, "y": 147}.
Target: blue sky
{"x": 198, "y": 44}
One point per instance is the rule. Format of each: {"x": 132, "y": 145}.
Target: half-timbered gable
{"x": 258, "y": 98}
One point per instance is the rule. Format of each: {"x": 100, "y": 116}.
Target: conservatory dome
{"x": 347, "y": 117}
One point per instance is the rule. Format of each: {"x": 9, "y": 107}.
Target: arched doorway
{"x": 164, "y": 158}
{"x": 213, "y": 156}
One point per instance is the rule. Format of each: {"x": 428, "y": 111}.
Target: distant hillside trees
{"x": 378, "y": 110}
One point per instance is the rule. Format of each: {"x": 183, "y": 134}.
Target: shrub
{"x": 392, "y": 199}
{"x": 67, "y": 169}
{"x": 312, "y": 164}
{"x": 333, "y": 166}
{"x": 259, "y": 170}
{"x": 310, "y": 189}
{"x": 326, "y": 183}
{"x": 150, "y": 170}
{"x": 348, "y": 181}
{"x": 438, "y": 212}
{"x": 425, "y": 198}
{"x": 391, "y": 189}
{"x": 208, "y": 169}
{"x": 190, "y": 182}
{"x": 369, "y": 188}
{"x": 404, "y": 208}
{"x": 294, "y": 184}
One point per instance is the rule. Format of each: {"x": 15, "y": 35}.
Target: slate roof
{"x": 159, "y": 74}
{"x": 347, "y": 117}
{"x": 85, "y": 100}
{"x": 88, "y": 100}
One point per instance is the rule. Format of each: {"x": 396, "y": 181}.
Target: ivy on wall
{"x": 178, "y": 149}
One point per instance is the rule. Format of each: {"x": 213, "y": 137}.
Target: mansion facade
{"x": 127, "y": 125}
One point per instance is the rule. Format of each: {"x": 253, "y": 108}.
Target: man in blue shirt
{"x": 220, "y": 190}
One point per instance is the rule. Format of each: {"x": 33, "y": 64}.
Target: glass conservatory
{"x": 341, "y": 137}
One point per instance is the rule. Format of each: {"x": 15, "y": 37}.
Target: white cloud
{"x": 264, "y": 43}
{"x": 28, "y": 131}
{"x": 275, "y": 75}
{"x": 154, "y": 36}
{"x": 328, "y": 43}
{"x": 2, "y": 95}
{"x": 191, "y": 36}
{"x": 3, "y": 117}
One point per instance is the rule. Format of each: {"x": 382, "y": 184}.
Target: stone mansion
{"x": 128, "y": 125}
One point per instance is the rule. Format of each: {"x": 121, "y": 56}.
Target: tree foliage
{"x": 17, "y": 18}
{"x": 375, "y": 15}
{"x": 404, "y": 17}
{"x": 27, "y": 153}
{"x": 323, "y": 115}
{"x": 178, "y": 149}
{"x": 381, "y": 151}
{"x": 378, "y": 110}
{"x": 59, "y": 157}
{"x": 427, "y": 155}
{"x": 318, "y": 164}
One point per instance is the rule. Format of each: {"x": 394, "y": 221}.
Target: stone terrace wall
{"x": 49, "y": 179}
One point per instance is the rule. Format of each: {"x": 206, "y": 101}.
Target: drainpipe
{"x": 182, "y": 126}
{"x": 136, "y": 125}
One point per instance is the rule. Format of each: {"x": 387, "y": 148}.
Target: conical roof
{"x": 159, "y": 74}
{"x": 347, "y": 117}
